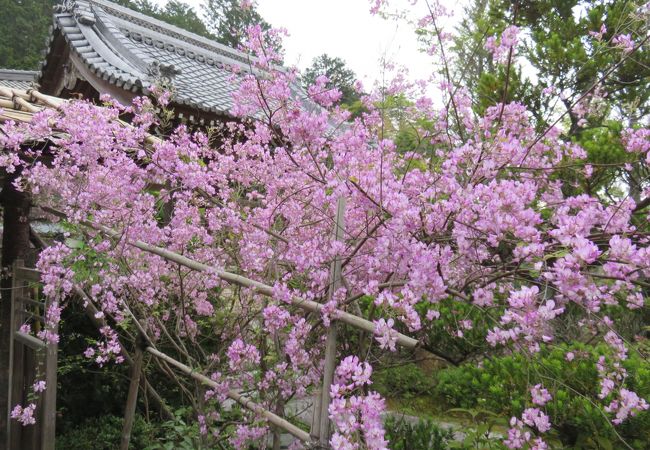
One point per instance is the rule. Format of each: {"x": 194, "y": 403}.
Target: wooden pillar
{"x": 15, "y": 245}
{"x": 16, "y": 367}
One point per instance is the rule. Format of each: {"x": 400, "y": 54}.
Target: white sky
{"x": 345, "y": 28}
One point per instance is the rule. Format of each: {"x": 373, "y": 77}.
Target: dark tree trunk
{"x": 15, "y": 245}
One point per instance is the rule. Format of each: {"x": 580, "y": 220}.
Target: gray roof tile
{"x": 129, "y": 49}
{"x": 17, "y": 79}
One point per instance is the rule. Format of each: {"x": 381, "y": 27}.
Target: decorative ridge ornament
{"x": 162, "y": 72}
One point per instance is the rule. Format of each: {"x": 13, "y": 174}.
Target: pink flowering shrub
{"x": 481, "y": 219}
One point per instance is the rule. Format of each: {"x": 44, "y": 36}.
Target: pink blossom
{"x": 535, "y": 418}
{"x": 24, "y": 415}
{"x": 275, "y": 318}
{"x": 246, "y": 435}
{"x": 241, "y": 354}
{"x": 624, "y": 41}
{"x": 628, "y": 404}
{"x": 598, "y": 35}
{"x": 509, "y": 39}
{"x": 540, "y": 395}
{"x": 482, "y": 218}
{"x": 385, "y": 333}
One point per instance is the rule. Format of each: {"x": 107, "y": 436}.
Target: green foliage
{"x": 560, "y": 51}
{"x": 473, "y": 60}
{"x": 491, "y": 89}
{"x": 603, "y": 143}
{"x": 28, "y": 21}
{"x": 556, "y": 49}
{"x": 228, "y": 21}
{"x": 422, "y": 435}
{"x": 24, "y": 25}
{"x": 183, "y": 16}
{"x": 340, "y": 76}
{"x": 406, "y": 381}
{"x": 409, "y": 133}
{"x": 480, "y": 434}
{"x": 174, "y": 12}
{"x": 104, "y": 433}
{"x": 443, "y": 337}
{"x": 501, "y": 385}
{"x": 413, "y": 136}
{"x": 178, "y": 433}
{"x": 566, "y": 56}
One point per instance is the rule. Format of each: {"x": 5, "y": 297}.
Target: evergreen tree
{"x": 24, "y": 25}
{"x": 228, "y": 20}
{"x": 340, "y": 76}
{"x": 568, "y": 46}
{"x": 560, "y": 51}
{"x": 174, "y": 12}
{"x": 183, "y": 16}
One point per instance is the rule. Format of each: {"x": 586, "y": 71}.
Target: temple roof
{"x": 17, "y": 79}
{"x": 124, "y": 53}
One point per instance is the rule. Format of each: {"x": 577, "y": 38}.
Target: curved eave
{"x": 77, "y": 37}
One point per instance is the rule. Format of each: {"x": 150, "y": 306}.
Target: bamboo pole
{"x": 15, "y": 115}
{"x": 272, "y": 418}
{"x": 17, "y": 97}
{"x": 321, "y": 422}
{"x": 260, "y": 288}
{"x": 24, "y": 104}
{"x": 49, "y": 396}
{"x": 47, "y": 100}
{"x": 12, "y": 92}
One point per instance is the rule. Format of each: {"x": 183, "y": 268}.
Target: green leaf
{"x": 604, "y": 443}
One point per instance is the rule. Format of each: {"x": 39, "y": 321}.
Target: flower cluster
{"x": 24, "y": 415}
{"x": 356, "y": 417}
{"x": 505, "y": 45}
{"x": 518, "y": 436}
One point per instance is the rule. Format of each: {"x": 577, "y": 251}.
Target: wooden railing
{"x": 31, "y": 359}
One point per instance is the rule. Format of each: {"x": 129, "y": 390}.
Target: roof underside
{"x": 133, "y": 52}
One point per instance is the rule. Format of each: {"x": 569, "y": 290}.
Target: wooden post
{"x": 49, "y": 396}
{"x": 31, "y": 436}
{"x": 31, "y": 359}
{"x": 15, "y": 245}
{"x": 321, "y": 422}
{"x": 132, "y": 398}
{"x": 16, "y": 360}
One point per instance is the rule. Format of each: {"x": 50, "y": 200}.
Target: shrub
{"x": 407, "y": 381}
{"x": 501, "y": 385}
{"x": 178, "y": 433}
{"x": 421, "y": 435}
{"x": 104, "y": 433}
